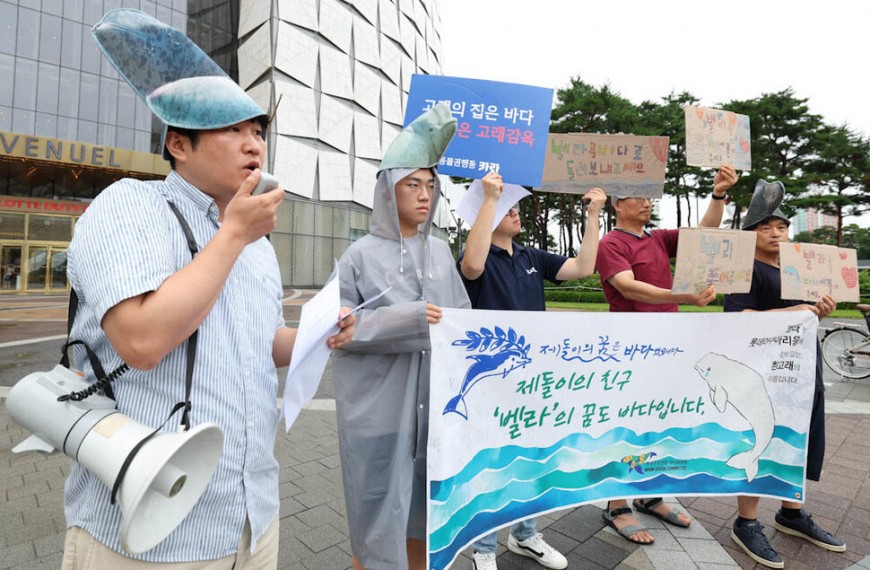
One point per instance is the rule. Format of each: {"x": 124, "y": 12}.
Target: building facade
{"x": 811, "y": 219}
{"x": 339, "y": 73}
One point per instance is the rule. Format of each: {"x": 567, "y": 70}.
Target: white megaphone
{"x": 165, "y": 478}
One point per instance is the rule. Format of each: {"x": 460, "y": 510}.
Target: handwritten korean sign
{"x": 712, "y": 256}
{"x": 714, "y": 137}
{"x": 500, "y": 126}
{"x": 809, "y": 271}
{"x": 624, "y": 165}
{"x": 536, "y": 412}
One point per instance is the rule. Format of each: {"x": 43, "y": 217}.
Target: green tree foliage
{"x": 852, "y": 236}
{"x": 839, "y": 176}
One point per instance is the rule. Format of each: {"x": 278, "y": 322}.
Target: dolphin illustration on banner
{"x": 504, "y": 352}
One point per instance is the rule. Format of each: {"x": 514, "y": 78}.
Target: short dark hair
{"x": 191, "y": 134}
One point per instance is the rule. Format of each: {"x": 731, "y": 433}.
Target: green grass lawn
{"x": 603, "y": 307}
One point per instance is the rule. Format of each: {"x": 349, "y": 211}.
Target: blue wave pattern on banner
{"x": 502, "y": 485}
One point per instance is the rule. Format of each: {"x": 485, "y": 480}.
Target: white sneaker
{"x": 482, "y": 561}
{"x": 536, "y": 547}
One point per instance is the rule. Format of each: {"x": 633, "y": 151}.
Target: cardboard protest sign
{"x": 714, "y": 137}
{"x": 536, "y": 412}
{"x": 810, "y": 271}
{"x": 712, "y": 256}
{"x": 623, "y": 165}
{"x": 501, "y": 127}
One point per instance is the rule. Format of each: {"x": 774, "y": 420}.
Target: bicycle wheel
{"x": 835, "y": 350}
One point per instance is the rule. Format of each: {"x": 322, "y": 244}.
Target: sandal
{"x": 626, "y": 531}
{"x": 672, "y": 518}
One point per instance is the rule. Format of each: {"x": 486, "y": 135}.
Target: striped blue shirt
{"x": 126, "y": 244}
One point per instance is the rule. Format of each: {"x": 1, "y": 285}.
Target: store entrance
{"x": 46, "y": 268}
{"x": 10, "y": 268}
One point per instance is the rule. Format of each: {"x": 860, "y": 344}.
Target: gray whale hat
{"x": 765, "y": 204}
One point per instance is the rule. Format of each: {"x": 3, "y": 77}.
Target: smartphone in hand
{"x": 267, "y": 182}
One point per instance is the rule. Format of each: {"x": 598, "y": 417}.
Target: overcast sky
{"x": 644, "y": 50}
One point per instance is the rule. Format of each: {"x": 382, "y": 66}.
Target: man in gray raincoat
{"x": 382, "y": 375}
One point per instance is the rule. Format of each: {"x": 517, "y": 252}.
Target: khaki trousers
{"x": 81, "y": 551}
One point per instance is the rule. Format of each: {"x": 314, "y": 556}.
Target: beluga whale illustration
{"x": 502, "y": 353}
{"x": 734, "y": 383}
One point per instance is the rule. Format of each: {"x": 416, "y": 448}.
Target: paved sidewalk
{"x": 314, "y": 529}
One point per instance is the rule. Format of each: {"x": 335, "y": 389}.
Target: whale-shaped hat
{"x": 181, "y": 84}
{"x": 423, "y": 141}
{"x": 765, "y": 204}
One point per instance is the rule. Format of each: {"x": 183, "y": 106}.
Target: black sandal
{"x": 672, "y": 518}
{"x": 625, "y": 532}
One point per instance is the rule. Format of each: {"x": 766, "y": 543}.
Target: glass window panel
{"x": 126, "y": 106}
{"x": 57, "y": 279}
{"x": 7, "y": 69}
{"x": 143, "y": 116}
{"x": 130, "y": 4}
{"x": 303, "y": 259}
{"x": 179, "y": 5}
{"x": 49, "y": 87}
{"x": 49, "y": 228}
{"x": 71, "y": 54}
{"x": 284, "y": 252}
{"x": 32, "y": 4}
{"x": 46, "y": 125}
{"x": 49, "y": 39}
{"x": 92, "y": 58}
{"x": 106, "y": 135}
{"x": 323, "y": 260}
{"x": 142, "y": 141}
{"x": 68, "y": 102}
{"x": 164, "y": 14}
{"x": 28, "y": 34}
{"x": 111, "y": 5}
{"x": 108, "y": 70}
{"x": 89, "y": 97}
{"x": 179, "y": 20}
{"x": 72, "y": 10}
{"x": 5, "y": 118}
{"x": 303, "y": 218}
{"x": 11, "y": 226}
{"x": 108, "y": 100}
{"x": 124, "y": 138}
{"x": 53, "y": 7}
{"x": 285, "y": 217}
{"x": 323, "y": 220}
{"x": 93, "y": 12}
{"x": 10, "y": 262}
{"x": 8, "y": 25}
{"x": 36, "y": 268}
{"x": 148, "y": 7}
{"x": 67, "y": 128}
{"x": 22, "y": 121}
{"x": 341, "y": 223}
{"x": 24, "y": 96}
{"x": 88, "y": 132}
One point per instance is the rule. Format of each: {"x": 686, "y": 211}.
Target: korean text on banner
{"x": 500, "y": 127}
{"x": 712, "y": 256}
{"x": 715, "y": 137}
{"x": 810, "y": 271}
{"x": 535, "y": 412}
{"x": 623, "y": 165}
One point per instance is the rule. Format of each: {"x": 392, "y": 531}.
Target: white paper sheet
{"x": 319, "y": 320}
{"x": 469, "y": 205}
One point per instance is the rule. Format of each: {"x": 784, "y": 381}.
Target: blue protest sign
{"x": 499, "y": 126}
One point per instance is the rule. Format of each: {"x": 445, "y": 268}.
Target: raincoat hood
{"x": 385, "y": 214}
{"x": 765, "y": 203}
{"x": 178, "y": 81}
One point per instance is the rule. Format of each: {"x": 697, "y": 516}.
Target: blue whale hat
{"x": 181, "y": 84}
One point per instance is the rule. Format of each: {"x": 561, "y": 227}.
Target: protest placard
{"x": 713, "y": 256}
{"x": 623, "y": 165}
{"x": 501, "y": 127}
{"x": 535, "y": 412}
{"x": 809, "y": 271}
{"x": 715, "y": 137}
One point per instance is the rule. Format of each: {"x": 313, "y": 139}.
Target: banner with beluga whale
{"x": 536, "y": 412}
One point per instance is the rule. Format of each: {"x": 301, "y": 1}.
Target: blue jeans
{"x": 523, "y": 530}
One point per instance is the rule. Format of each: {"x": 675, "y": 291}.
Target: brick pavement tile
{"x": 670, "y": 559}
{"x": 705, "y": 550}
{"x": 321, "y": 515}
{"x": 290, "y": 507}
{"x": 333, "y": 558}
{"x": 17, "y": 506}
{"x": 34, "y": 488}
{"x": 48, "y": 562}
{"x": 288, "y": 489}
{"x": 722, "y": 508}
{"x": 321, "y": 538}
{"x": 18, "y": 554}
{"x": 637, "y": 560}
{"x": 310, "y": 468}
{"x": 49, "y": 545}
{"x": 290, "y": 550}
{"x": 10, "y": 482}
{"x": 601, "y": 552}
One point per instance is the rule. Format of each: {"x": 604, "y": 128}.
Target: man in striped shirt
{"x": 141, "y": 296}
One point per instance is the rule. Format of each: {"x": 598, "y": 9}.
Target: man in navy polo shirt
{"x": 500, "y": 274}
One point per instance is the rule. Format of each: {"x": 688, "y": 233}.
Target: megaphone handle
{"x": 133, "y": 452}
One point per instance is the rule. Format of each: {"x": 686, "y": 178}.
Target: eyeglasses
{"x": 512, "y": 212}
{"x": 640, "y": 199}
